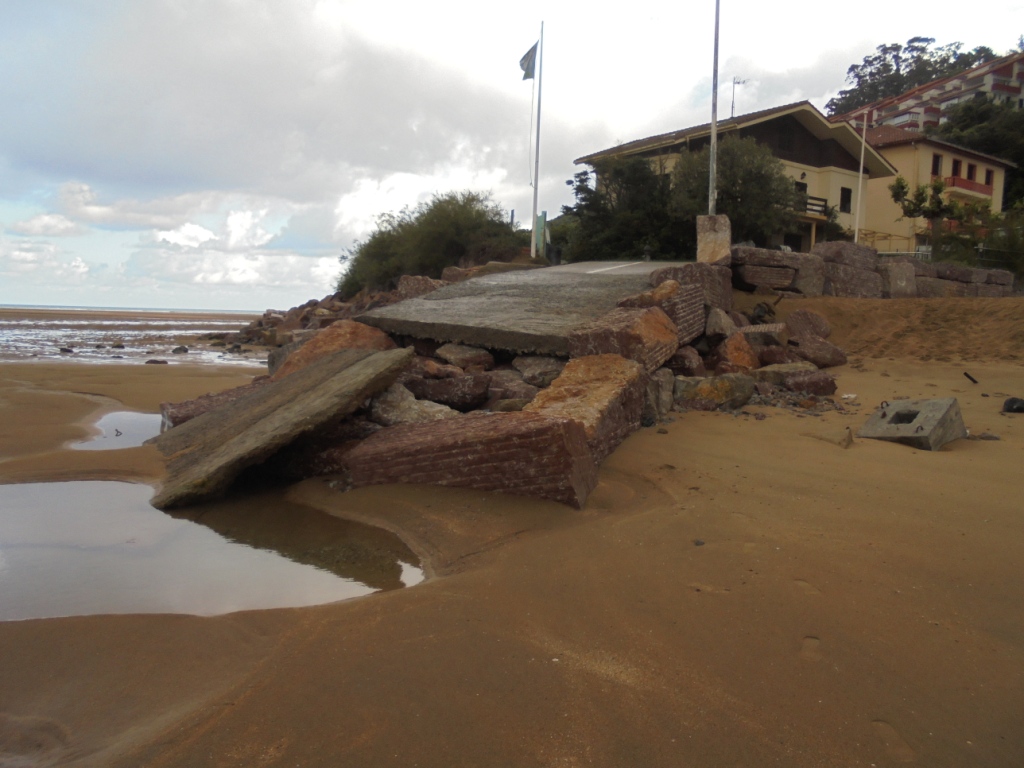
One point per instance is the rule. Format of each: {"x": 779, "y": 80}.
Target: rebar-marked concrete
{"x": 532, "y": 311}
{"x": 924, "y": 424}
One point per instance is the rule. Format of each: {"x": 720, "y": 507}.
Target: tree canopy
{"x": 452, "y": 229}
{"x": 894, "y": 69}
{"x": 993, "y": 128}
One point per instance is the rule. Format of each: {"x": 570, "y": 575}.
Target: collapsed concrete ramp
{"x": 208, "y": 452}
{"x": 529, "y": 311}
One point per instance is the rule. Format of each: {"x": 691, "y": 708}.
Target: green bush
{"x": 457, "y": 228}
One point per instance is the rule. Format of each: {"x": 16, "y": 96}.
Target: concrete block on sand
{"x": 207, "y": 453}
{"x": 524, "y": 454}
{"x": 647, "y": 336}
{"x": 924, "y": 424}
{"x": 714, "y": 238}
{"x": 605, "y": 393}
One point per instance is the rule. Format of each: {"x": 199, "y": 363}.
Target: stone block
{"x": 804, "y": 322}
{"x": 463, "y": 393}
{"x": 727, "y": 392}
{"x": 921, "y": 268}
{"x": 810, "y": 275}
{"x": 397, "y": 405}
{"x": 719, "y": 324}
{"x": 684, "y": 305}
{"x": 936, "y": 288}
{"x": 539, "y": 370}
{"x": 999, "y": 277}
{"x": 899, "y": 280}
{"x": 518, "y": 453}
{"x": 778, "y": 373}
{"x": 714, "y": 281}
{"x": 714, "y": 238}
{"x": 464, "y": 357}
{"x": 947, "y": 270}
{"x": 989, "y": 291}
{"x": 604, "y": 393}
{"x": 766, "y": 277}
{"x": 737, "y": 352}
{"x": 647, "y": 336}
{"x": 686, "y": 362}
{"x": 772, "y": 355}
{"x": 848, "y": 254}
{"x": 924, "y": 424}
{"x": 207, "y": 453}
{"x": 812, "y": 382}
{"x": 510, "y": 385}
{"x": 344, "y": 334}
{"x": 658, "y": 397}
{"x": 850, "y": 282}
{"x": 823, "y": 354}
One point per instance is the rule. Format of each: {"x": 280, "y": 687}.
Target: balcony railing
{"x": 816, "y": 205}
{"x": 957, "y": 182}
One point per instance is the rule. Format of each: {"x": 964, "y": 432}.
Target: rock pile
{"x": 417, "y": 410}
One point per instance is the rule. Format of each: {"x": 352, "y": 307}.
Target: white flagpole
{"x": 536, "y": 159}
{"x": 713, "y": 170}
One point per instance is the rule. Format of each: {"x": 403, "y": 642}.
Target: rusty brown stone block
{"x": 605, "y": 393}
{"x": 684, "y": 305}
{"x": 344, "y": 334}
{"x": 463, "y": 393}
{"x": 714, "y": 281}
{"x": 768, "y": 277}
{"x": 647, "y": 336}
{"x": 737, "y": 353}
{"x": 520, "y": 453}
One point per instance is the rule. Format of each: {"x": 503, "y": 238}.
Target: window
{"x": 936, "y": 165}
{"x": 990, "y": 177}
{"x": 972, "y": 171}
{"x": 845, "y": 200}
{"x": 801, "y": 187}
{"x": 956, "y": 168}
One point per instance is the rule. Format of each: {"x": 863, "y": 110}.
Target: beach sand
{"x": 735, "y": 592}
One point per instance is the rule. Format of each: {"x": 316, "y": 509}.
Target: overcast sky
{"x": 223, "y": 153}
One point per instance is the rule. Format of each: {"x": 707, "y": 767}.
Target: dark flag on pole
{"x": 528, "y": 62}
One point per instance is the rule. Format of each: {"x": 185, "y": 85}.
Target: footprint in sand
{"x": 31, "y": 741}
{"x": 807, "y": 588}
{"x": 895, "y": 746}
{"x": 810, "y": 649}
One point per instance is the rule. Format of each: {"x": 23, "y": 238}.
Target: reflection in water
{"x": 82, "y": 548}
{"x": 122, "y": 429}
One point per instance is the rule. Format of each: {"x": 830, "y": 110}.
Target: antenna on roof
{"x": 735, "y": 81}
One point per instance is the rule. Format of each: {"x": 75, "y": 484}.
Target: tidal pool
{"x": 121, "y": 429}
{"x": 84, "y": 548}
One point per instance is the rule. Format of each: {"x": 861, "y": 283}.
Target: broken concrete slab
{"x": 647, "y": 336}
{"x": 531, "y": 311}
{"x": 924, "y": 424}
{"x": 605, "y": 393}
{"x": 208, "y": 452}
{"x": 520, "y": 453}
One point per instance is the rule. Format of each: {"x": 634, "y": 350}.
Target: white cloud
{"x": 40, "y": 262}
{"x": 245, "y": 231}
{"x": 47, "y": 225}
{"x": 187, "y": 235}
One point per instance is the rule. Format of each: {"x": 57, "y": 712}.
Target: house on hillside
{"x": 1000, "y": 80}
{"x": 969, "y": 177}
{"x": 821, "y": 157}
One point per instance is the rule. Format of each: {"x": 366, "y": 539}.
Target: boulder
{"x": 524, "y": 454}
{"x": 999, "y": 277}
{"x": 605, "y": 393}
{"x": 397, "y": 405}
{"x": 772, "y": 355}
{"x": 538, "y": 370}
{"x": 947, "y": 270}
{"x": 686, "y": 362}
{"x": 812, "y": 382}
{"x": 510, "y": 385}
{"x": 847, "y": 281}
{"x": 658, "y": 399}
{"x": 714, "y": 281}
{"x": 822, "y": 353}
{"x": 684, "y": 305}
{"x": 207, "y": 453}
{"x": 803, "y": 322}
{"x": 988, "y": 291}
{"x": 463, "y": 393}
{"x": 736, "y": 352}
{"x": 647, "y": 336}
{"x": 464, "y": 357}
{"x": 429, "y": 368}
{"x": 778, "y": 373}
{"x": 899, "y": 280}
{"x": 719, "y": 324}
{"x": 342, "y": 335}
{"x": 810, "y": 275}
{"x": 727, "y": 392}
{"x": 847, "y": 254}
{"x": 936, "y": 288}
{"x": 411, "y": 286}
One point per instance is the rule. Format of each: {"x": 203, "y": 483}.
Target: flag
{"x": 528, "y": 62}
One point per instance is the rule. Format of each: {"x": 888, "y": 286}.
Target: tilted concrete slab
{"x": 924, "y": 424}
{"x": 208, "y": 452}
{"x": 532, "y": 311}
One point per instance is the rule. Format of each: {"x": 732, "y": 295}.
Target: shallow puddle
{"x": 84, "y": 548}
{"x": 121, "y": 429}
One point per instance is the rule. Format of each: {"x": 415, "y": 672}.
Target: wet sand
{"x": 736, "y": 592}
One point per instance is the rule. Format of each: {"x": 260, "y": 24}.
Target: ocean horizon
{"x": 76, "y": 308}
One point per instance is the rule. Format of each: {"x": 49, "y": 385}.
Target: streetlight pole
{"x": 735, "y": 81}
{"x": 712, "y": 185}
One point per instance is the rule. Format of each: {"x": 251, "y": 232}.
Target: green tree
{"x": 624, "y": 212}
{"x": 993, "y": 128}
{"x": 956, "y": 228}
{"x": 452, "y": 229}
{"x": 894, "y": 69}
{"x": 753, "y": 189}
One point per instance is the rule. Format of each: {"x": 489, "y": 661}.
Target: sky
{"x": 222, "y": 154}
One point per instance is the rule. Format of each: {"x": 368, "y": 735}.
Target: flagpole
{"x": 713, "y": 170}
{"x": 536, "y": 158}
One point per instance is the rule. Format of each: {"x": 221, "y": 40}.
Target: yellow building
{"x": 821, "y": 157}
{"x": 969, "y": 176}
